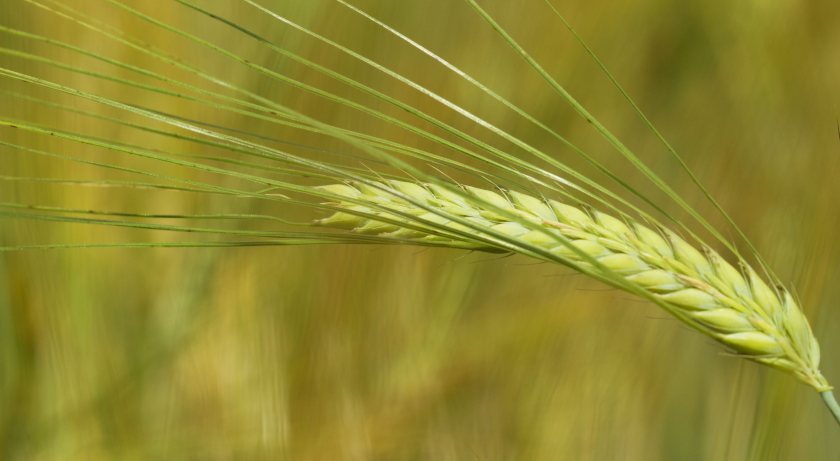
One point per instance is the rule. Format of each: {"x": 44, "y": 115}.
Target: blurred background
{"x": 404, "y": 353}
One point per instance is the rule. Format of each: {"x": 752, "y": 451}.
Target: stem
{"x": 831, "y": 403}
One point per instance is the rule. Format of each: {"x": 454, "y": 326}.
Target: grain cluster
{"x": 734, "y": 306}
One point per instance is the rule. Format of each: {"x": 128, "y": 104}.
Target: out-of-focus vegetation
{"x": 362, "y": 352}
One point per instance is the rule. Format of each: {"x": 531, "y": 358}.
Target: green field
{"x": 180, "y": 351}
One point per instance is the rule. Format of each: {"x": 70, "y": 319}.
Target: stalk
{"x": 831, "y": 403}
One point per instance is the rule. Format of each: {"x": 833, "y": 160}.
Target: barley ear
{"x": 736, "y": 308}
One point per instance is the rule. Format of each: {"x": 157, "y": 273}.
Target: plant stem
{"x": 831, "y": 403}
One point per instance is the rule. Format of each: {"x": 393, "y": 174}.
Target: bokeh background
{"x": 402, "y": 353}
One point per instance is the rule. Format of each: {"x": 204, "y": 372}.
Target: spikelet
{"x": 734, "y": 307}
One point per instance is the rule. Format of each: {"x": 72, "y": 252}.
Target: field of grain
{"x": 374, "y": 352}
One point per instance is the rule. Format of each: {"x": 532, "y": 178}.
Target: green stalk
{"x": 831, "y": 403}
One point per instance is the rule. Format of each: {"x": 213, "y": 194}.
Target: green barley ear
{"x": 745, "y": 315}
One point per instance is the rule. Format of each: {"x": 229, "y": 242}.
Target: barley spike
{"x": 732, "y": 305}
